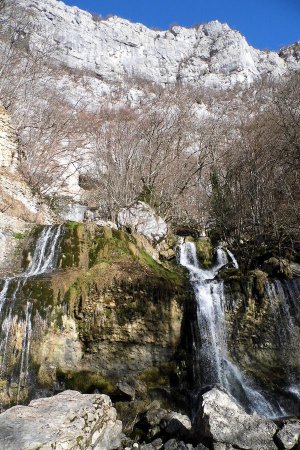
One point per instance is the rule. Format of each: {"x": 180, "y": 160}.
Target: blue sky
{"x": 267, "y": 24}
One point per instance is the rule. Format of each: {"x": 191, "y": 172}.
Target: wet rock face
{"x": 64, "y": 422}
{"x": 109, "y": 318}
{"x": 227, "y": 423}
{"x": 263, "y": 332}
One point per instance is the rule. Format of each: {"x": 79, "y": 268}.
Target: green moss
{"x": 72, "y": 225}
{"x": 153, "y": 378}
{"x": 157, "y": 377}
{"x": 19, "y": 236}
{"x": 204, "y": 252}
{"x": 108, "y": 245}
{"x": 86, "y": 382}
{"x": 129, "y": 412}
{"x": 168, "y": 271}
{"x": 230, "y": 274}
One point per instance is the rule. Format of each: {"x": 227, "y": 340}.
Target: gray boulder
{"x": 141, "y": 218}
{"x": 170, "y": 423}
{"x": 155, "y": 445}
{"x": 66, "y": 421}
{"x": 290, "y": 433}
{"x": 227, "y": 423}
{"x": 176, "y": 424}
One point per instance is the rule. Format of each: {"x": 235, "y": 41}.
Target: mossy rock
{"x": 204, "y": 252}
{"x": 86, "y": 382}
{"x": 276, "y": 267}
{"x": 259, "y": 282}
{"x": 229, "y": 274}
{"x": 158, "y": 377}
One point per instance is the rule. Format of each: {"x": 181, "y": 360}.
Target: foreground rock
{"x": 226, "y": 422}
{"x": 160, "y": 422}
{"x": 140, "y": 218}
{"x": 66, "y": 421}
{"x": 290, "y": 434}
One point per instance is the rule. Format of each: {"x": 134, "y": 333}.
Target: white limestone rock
{"x": 19, "y": 208}
{"x": 212, "y": 54}
{"x": 8, "y": 146}
{"x": 141, "y": 218}
{"x": 289, "y": 435}
{"x": 67, "y": 421}
{"x": 228, "y": 423}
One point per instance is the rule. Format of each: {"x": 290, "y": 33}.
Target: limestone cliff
{"x": 19, "y": 207}
{"x": 211, "y": 54}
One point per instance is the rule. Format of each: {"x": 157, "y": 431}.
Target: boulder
{"x": 295, "y": 268}
{"x": 170, "y": 424}
{"x": 141, "y": 218}
{"x": 276, "y": 267}
{"x": 174, "y": 444}
{"x": 66, "y": 421}
{"x": 176, "y": 424}
{"x": 289, "y": 435}
{"x": 226, "y": 422}
{"x": 106, "y": 223}
{"x": 155, "y": 445}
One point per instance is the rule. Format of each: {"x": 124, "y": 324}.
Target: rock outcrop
{"x": 109, "y": 316}
{"x": 211, "y": 54}
{"x": 226, "y": 422}
{"x": 20, "y": 209}
{"x": 67, "y": 421}
{"x": 289, "y": 435}
{"x": 140, "y": 218}
{"x": 8, "y": 145}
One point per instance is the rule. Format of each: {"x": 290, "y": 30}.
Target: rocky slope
{"x": 112, "y": 49}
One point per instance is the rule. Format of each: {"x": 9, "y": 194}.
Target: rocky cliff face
{"x": 263, "y": 328}
{"x": 210, "y": 55}
{"x": 110, "y": 316}
{"x": 20, "y": 209}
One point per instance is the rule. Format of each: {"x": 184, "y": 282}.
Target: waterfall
{"x": 232, "y": 257}
{"x": 43, "y": 260}
{"x": 25, "y": 350}
{"x": 211, "y": 358}
{"x": 285, "y": 307}
{"x": 44, "y": 257}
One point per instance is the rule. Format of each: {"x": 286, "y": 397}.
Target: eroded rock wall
{"x": 109, "y": 314}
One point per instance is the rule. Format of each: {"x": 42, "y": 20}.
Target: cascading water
{"x": 284, "y": 300}
{"x": 43, "y": 261}
{"x": 212, "y": 365}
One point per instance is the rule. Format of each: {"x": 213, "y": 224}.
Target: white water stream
{"x": 212, "y": 361}
{"x": 43, "y": 261}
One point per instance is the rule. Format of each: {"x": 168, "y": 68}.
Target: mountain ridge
{"x": 210, "y": 55}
